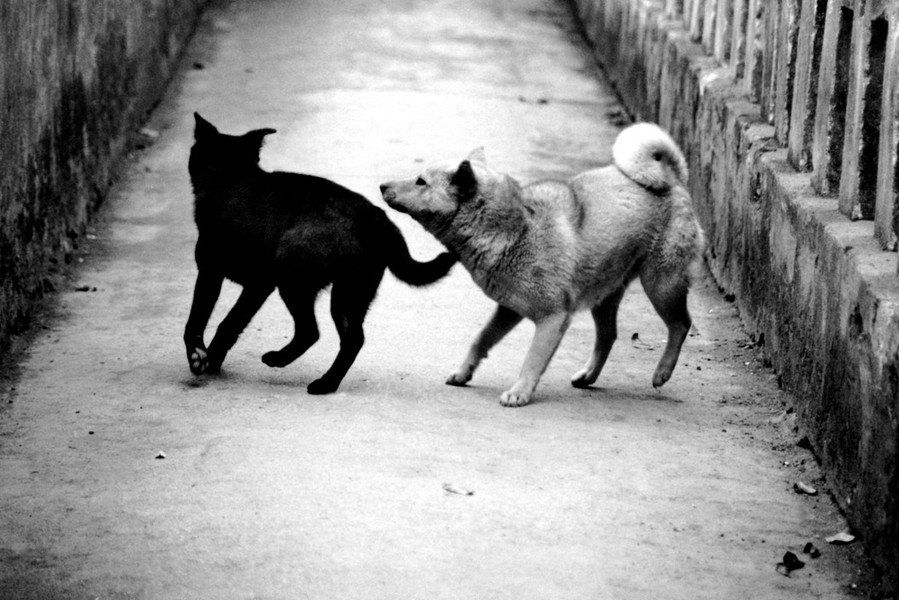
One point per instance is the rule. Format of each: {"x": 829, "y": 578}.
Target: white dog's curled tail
{"x": 647, "y": 154}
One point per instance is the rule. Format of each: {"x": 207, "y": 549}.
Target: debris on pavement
{"x": 811, "y": 550}
{"x": 844, "y": 537}
{"x": 148, "y": 133}
{"x": 146, "y": 138}
{"x": 790, "y": 562}
{"x": 452, "y": 489}
{"x": 801, "y": 487}
{"x": 160, "y": 455}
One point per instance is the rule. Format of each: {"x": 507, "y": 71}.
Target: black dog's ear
{"x": 251, "y": 142}
{"x": 464, "y": 180}
{"x": 203, "y": 128}
{"x": 256, "y": 136}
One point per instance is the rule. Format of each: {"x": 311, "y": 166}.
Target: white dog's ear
{"x": 464, "y": 180}
{"x": 478, "y": 155}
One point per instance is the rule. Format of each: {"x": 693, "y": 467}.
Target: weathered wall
{"x": 76, "y": 77}
{"x": 814, "y": 287}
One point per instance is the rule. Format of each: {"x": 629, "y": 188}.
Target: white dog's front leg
{"x": 549, "y": 333}
{"x": 501, "y": 323}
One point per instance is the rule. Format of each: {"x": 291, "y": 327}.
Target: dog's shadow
{"x": 611, "y": 395}
{"x": 624, "y": 395}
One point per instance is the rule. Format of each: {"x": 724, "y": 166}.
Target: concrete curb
{"x": 812, "y": 285}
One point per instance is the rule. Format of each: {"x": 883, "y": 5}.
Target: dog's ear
{"x": 203, "y": 128}
{"x": 257, "y": 135}
{"x": 252, "y": 142}
{"x": 478, "y": 155}
{"x": 464, "y": 180}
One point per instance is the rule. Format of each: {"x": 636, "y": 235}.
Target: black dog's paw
{"x": 275, "y": 359}
{"x": 198, "y": 359}
{"x": 322, "y": 386}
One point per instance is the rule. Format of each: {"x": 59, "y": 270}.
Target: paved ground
{"x": 265, "y": 492}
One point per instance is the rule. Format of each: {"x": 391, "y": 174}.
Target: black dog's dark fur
{"x": 297, "y": 233}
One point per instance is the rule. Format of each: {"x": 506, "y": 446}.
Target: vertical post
{"x": 723, "y": 30}
{"x": 805, "y": 83}
{"x": 886, "y": 211}
{"x": 709, "y": 18}
{"x": 769, "y": 53}
{"x": 754, "y": 30}
{"x": 786, "y": 36}
{"x": 860, "y": 146}
{"x": 738, "y": 41}
{"x": 830, "y": 113}
{"x": 697, "y": 12}
{"x": 687, "y": 13}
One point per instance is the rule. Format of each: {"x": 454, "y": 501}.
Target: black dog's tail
{"x": 409, "y": 270}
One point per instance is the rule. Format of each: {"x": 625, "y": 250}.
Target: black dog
{"x": 297, "y": 233}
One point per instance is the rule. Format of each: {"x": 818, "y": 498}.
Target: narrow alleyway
{"x": 123, "y": 476}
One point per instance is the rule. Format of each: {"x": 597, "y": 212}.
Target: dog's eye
{"x": 420, "y": 181}
{"x": 657, "y": 156}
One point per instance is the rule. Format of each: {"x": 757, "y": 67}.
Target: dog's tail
{"x": 409, "y": 270}
{"x": 647, "y": 154}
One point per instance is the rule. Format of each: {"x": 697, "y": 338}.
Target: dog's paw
{"x": 322, "y": 386}
{"x": 583, "y": 379}
{"x": 274, "y": 359}
{"x": 198, "y": 359}
{"x": 459, "y": 378}
{"x": 513, "y": 398}
{"x": 659, "y": 379}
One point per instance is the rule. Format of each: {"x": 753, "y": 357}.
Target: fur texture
{"x": 545, "y": 250}
{"x": 296, "y": 233}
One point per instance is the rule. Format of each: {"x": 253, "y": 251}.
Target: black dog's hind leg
{"x": 349, "y": 305}
{"x": 206, "y": 293}
{"x": 247, "y": 305}
{"x": 301, "y": 304}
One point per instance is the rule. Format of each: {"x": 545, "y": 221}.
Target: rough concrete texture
{"x": 126, "y": 477}
{"x": 813, "y": 288}
{"x": 75, "y": 79}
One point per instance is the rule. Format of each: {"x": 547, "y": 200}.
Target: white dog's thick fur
{"x": 548, "y": 249}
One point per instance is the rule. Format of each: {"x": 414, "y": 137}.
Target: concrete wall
{"x": 815, "y": 288}
{"x": 76, "y": 78}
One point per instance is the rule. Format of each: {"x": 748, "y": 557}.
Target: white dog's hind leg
{"x": 668, "y": 294}
{"x": 501, "y": 322}
{"x": 605, "y": 316}
{"x": 549, "y": 333}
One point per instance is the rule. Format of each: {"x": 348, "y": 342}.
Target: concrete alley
{"x": 124, "y": 476}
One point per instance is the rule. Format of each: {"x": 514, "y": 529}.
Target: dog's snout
{"x": 387, "y": 192}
